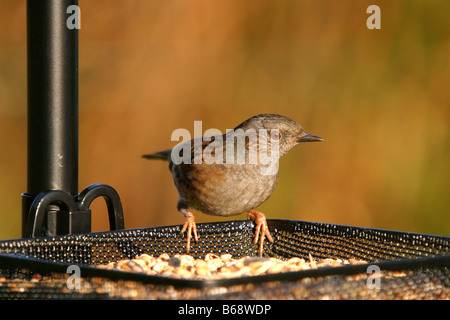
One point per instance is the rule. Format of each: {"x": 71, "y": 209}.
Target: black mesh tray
{"x": 391, "y": 250}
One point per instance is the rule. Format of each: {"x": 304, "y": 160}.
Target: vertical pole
{"x": 52, "y": 101}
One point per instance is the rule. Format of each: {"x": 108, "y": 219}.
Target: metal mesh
{"x": 39, "y": 264}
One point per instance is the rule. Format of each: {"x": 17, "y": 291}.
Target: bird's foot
{"x": 190, "y": 227}
{"x": 261, "y": 228}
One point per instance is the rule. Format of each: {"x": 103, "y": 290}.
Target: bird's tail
{"x": 162, "y": 155}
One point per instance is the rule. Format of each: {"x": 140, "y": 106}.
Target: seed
{"x": 149, "y": 260}
{"x": 175, "y": 262}
{"x": 160, "y": 266}
{"x": 164, "y": 256}
{"x": 276, "y": 268}
{"x": 264, "y": 267}
{"x": 123, "y": 265}
{"x": 134, "y": 266}
{"x": 141, "y": 263}
{"x": 249, "y": 260}
{"x": 296, "y": 261}
{"x": 226, "y": 257}
{"x": 202, "y": 271}
{"x": 183, "y": 273}
{"x": 211, "y": 256}
{"x": 215, "y": 264}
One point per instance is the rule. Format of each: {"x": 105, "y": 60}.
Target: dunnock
{"x": 229, "y": 174}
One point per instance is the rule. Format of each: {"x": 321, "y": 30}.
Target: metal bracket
{"x": 57, "y": 212}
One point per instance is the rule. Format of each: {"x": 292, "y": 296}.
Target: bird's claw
{"x": 190, "y": 227}
{"x": 261, "y": 228}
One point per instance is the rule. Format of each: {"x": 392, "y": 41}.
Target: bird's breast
{"x": 223, "y": 190}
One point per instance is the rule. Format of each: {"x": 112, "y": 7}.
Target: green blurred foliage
{"x": 379, "y": 98}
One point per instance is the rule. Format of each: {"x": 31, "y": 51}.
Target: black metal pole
{"x": 52, "y": 204}
{"x": 52, "y": 100}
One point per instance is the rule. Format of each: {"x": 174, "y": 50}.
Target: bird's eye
{"x": 275, "y": 134}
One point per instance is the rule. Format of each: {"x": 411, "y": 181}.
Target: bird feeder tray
{"x": 410, "y": 265}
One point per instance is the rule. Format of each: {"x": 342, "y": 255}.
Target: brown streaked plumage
{"x": 226, "y": 189}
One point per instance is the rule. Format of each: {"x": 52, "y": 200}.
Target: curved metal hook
{"x": 70, "y": 205}
{"x": 112, "y": 199}
{"x": 40, "y": 205}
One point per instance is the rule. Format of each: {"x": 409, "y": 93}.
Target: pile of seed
{"x": 215, "y": 267}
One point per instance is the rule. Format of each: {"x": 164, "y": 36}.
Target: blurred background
{"x": 379, "y": 98}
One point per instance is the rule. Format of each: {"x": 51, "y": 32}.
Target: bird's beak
{"x": 306, "y": 137}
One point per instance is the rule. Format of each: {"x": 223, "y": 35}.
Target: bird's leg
{"x": 261, "y": 227}
{"x": 189, "y": 225}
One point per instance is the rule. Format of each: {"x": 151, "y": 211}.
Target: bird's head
{"x": 279, "y": 128}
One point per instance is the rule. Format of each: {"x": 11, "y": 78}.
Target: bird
{"x": 232, "y": 173}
